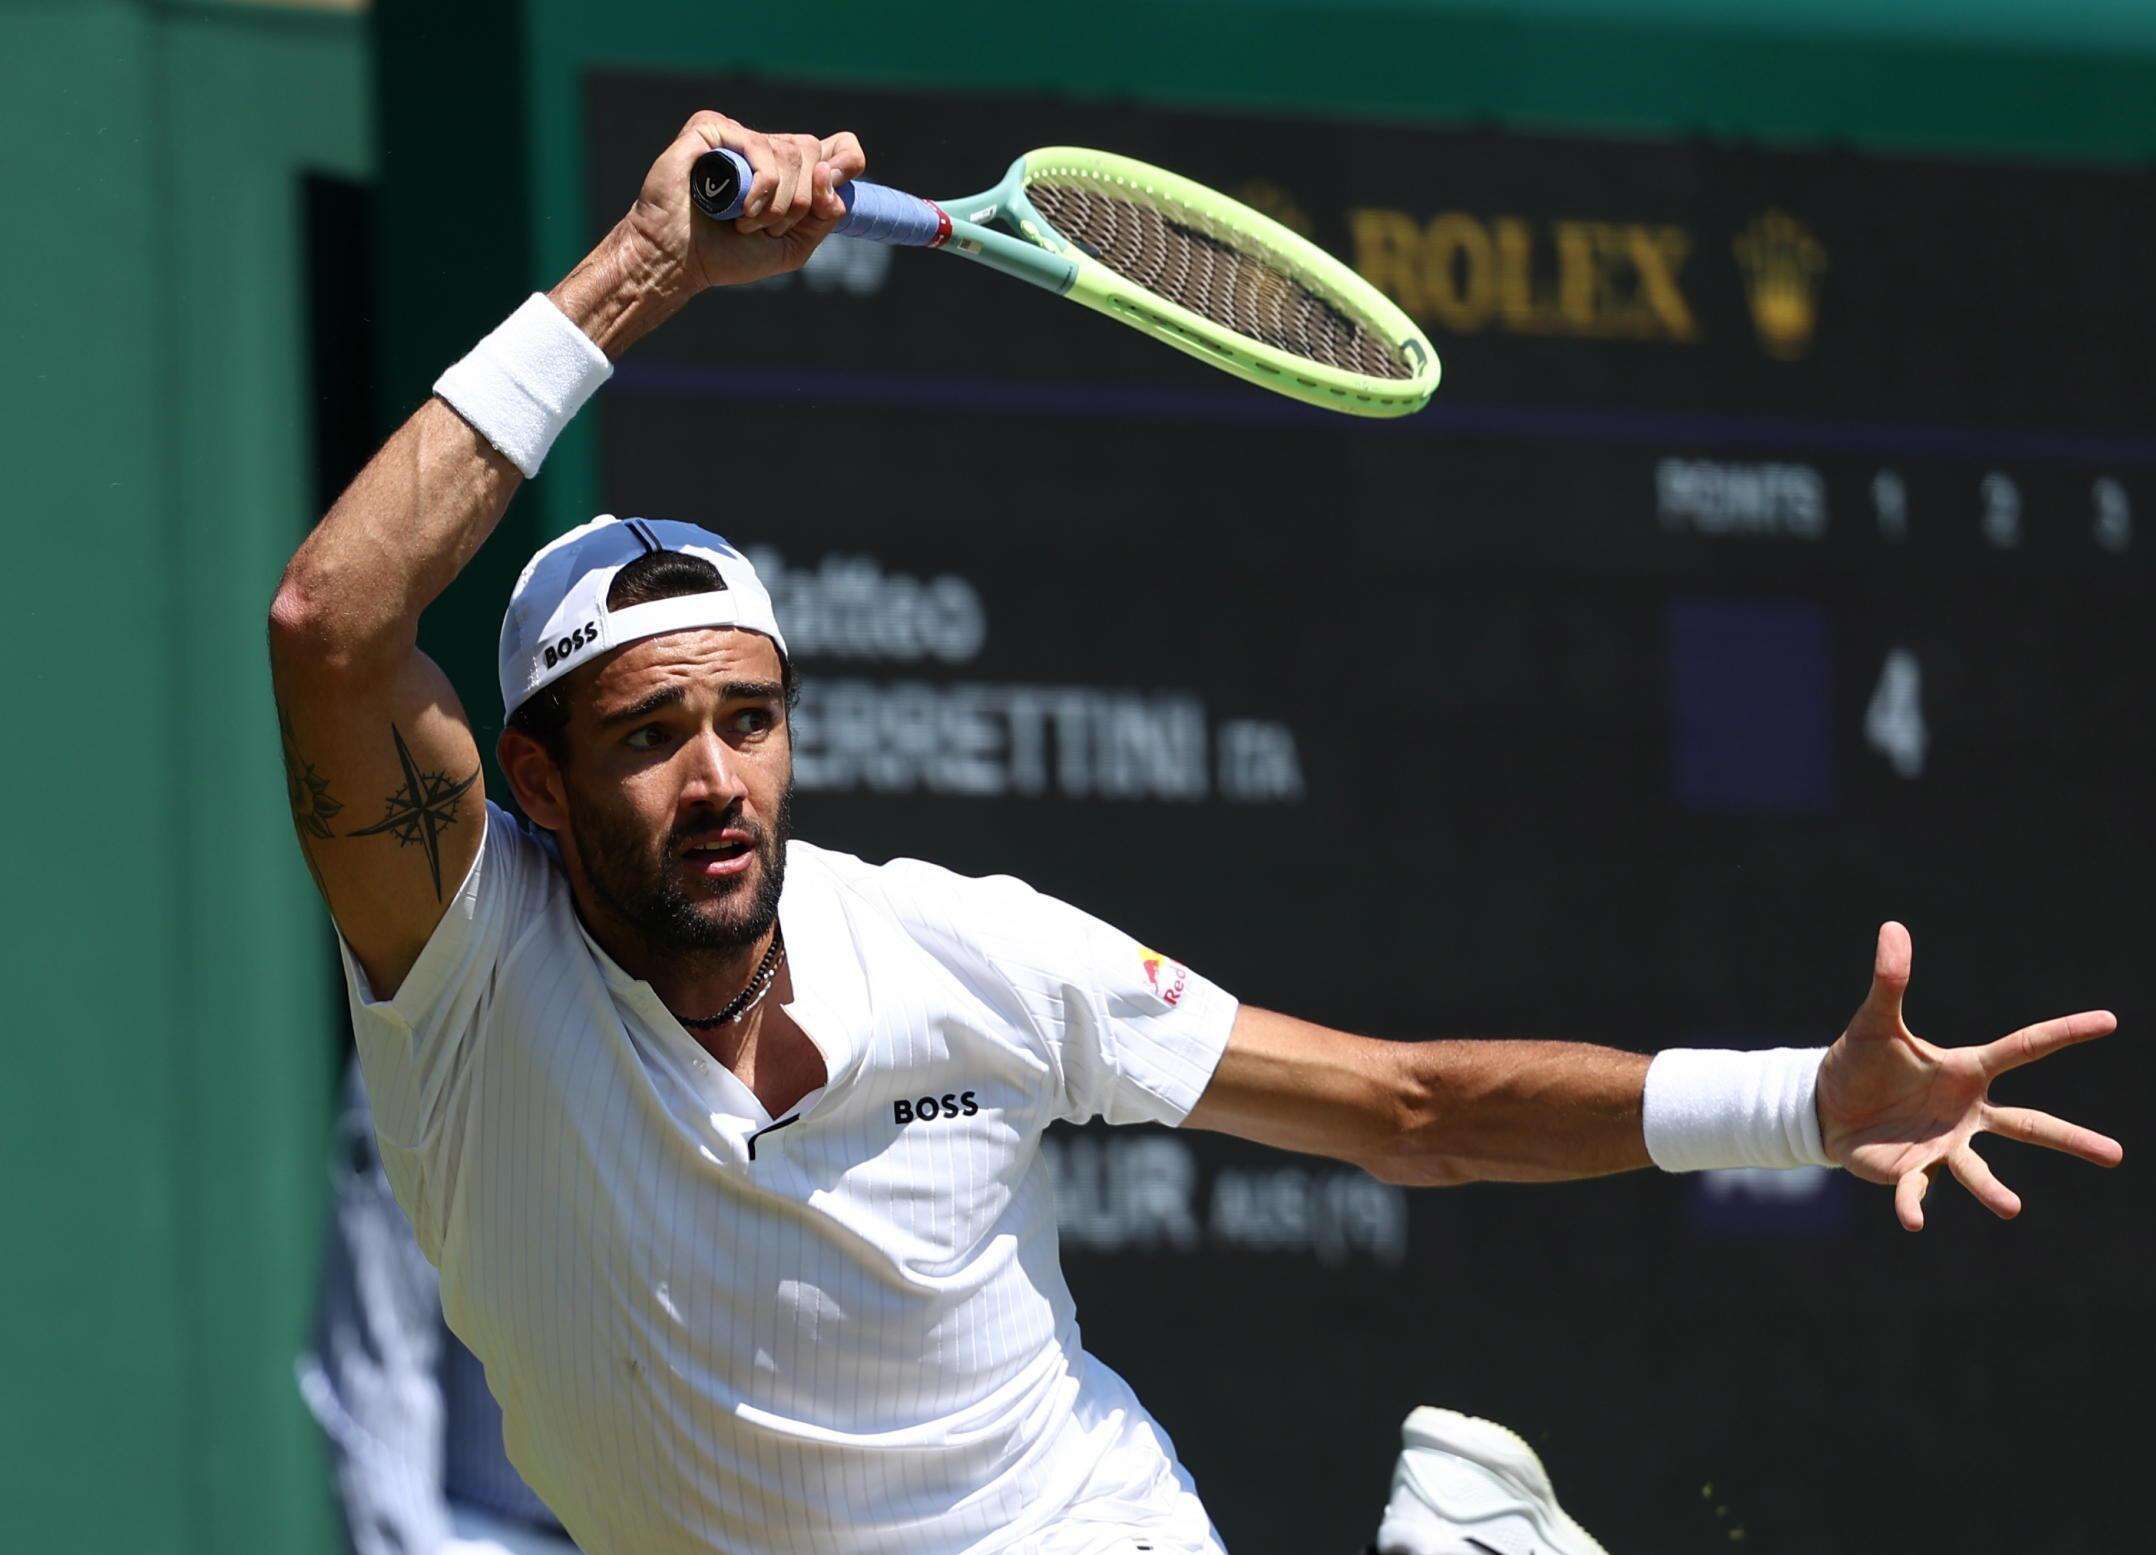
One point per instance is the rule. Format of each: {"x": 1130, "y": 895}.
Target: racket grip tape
{"x": 719, "y": 183}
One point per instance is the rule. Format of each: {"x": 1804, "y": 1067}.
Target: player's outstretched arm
{"x": 1883, "y": 1102}
{"x": 383, "y": 773}
{"x": 1428, "y": 1114}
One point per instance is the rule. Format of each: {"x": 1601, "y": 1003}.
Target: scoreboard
{"x": 1775, "y": 559}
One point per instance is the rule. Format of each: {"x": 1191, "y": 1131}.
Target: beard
{"x": 638, "y": 880}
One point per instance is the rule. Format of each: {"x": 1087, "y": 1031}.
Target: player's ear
{"x": 534, "y": 777}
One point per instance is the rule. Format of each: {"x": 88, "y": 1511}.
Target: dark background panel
{"x": 1625, "y": 691}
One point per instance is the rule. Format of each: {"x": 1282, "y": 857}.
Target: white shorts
{"x": 1137, "y": 1501}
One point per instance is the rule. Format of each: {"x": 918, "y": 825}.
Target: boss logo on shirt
{"x": 558, "y": 651}
{"x": 951, "y": 1104}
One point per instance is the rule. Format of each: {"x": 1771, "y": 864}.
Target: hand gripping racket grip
{"x": 874, "y": 213}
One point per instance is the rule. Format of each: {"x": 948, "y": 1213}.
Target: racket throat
{"x": 1050, "y": 271}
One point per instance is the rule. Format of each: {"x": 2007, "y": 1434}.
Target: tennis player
{"x": 727, "y": 1146}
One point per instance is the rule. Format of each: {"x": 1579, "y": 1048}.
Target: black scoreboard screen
{"x": 1775, "y": 559}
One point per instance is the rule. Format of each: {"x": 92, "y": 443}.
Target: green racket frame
{"x": 1041, "y": 255}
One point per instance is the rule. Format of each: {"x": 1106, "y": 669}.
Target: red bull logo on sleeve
{"x": 1168, "y": 977}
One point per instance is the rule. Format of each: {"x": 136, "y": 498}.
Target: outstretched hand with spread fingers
{"x": 1894, "y": 1109}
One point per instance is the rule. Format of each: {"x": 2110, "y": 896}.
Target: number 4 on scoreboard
{"x": 1894, "y": 719}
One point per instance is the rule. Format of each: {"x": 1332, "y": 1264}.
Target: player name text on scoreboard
{"x": 992, "y": 739}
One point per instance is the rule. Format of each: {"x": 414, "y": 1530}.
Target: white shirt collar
{"x": 831, "y": 996}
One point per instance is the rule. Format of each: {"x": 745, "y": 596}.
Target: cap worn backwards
{"x": 558, "y": 617}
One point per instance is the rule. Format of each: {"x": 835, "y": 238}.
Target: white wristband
{"x": 520, "y": 386}
{"x": 1705, "y": 1109}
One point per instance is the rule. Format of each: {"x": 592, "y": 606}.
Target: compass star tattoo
{"x": 420, "y": 811}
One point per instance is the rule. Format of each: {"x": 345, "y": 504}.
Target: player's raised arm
{"x": 1881, "y": 1101}
{"x": 383, "y": 773}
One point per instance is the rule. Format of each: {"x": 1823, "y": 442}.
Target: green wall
{"x": 162, "y": 1124}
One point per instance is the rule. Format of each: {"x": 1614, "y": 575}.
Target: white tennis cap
{"x": 557, "y": 616}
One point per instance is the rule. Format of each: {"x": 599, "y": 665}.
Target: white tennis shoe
{"x": 1470, "y": 1487}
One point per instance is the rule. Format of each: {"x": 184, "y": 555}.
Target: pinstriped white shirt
{"x": 841, "y": 1330}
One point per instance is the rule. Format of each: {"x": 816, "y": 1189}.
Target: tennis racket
{"x": 1184, "y": 263}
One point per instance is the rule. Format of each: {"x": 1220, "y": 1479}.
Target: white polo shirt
{"x": 841, "y": 1330}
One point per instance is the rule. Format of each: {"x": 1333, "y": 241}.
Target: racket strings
{"x": 1213, "y": 277}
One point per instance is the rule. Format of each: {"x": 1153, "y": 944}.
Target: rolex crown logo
{"x": 1782, "y": 263}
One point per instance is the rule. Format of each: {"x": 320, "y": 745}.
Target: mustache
{"x": 733, "y": 817}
